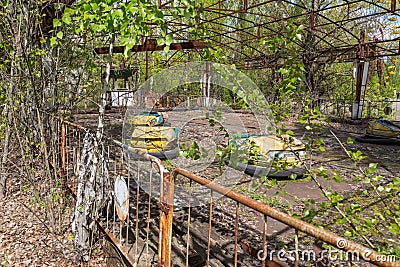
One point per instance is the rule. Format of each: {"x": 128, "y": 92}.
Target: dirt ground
{"x": 26, "y": 238}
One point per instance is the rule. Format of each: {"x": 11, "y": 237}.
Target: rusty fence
{"x": 205, "y": 224}
{"x": 370, "y": 109}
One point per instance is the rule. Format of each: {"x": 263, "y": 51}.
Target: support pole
{"x": 147, "y": 65}
{"x": 207, "y": 84}
{"x": 166, "y": 206}
{"x": 357, "y": 107}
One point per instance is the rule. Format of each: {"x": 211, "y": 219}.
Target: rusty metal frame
{"x": 244, "y": 43}
{"x": 311, "y": 230}
{"x": 165, "y": 206}
{"x": 216, "y": 11}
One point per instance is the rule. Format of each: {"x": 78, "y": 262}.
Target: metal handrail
{"x": 166, "y": 209}
{"x": 305, "y": 227}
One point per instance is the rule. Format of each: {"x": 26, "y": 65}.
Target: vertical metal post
{"x": 359, "y": 78}
{"x": 147, "y": 65}
{"x": 209, "y": 229}
{"x": 207, "y": 84}
{"x": 264, "y": 241}
{"x": 148, "y": 217}
{"x": 235, "y": 257}
{"x": 188, "y": 224}
{"x": 166, "y": 206}
{"x": 296, "y": 248}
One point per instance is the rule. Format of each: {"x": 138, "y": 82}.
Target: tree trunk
{"x": 93, "y": 180}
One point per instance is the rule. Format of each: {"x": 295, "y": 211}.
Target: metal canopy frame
{"x": 335, "y": 31}
{"x": 239, "y": 26}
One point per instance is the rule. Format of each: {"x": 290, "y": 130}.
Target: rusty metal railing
{"x": 157, "y": 233}
{"x": 371, "y": 109}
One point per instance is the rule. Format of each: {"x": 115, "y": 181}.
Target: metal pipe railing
{"x": 70, "y": 149}
{"x": 314, "y": 231}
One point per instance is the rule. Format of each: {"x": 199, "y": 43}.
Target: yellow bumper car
{"x": 384, "y": 132}
{"x": 267, "y": 155}
{"x": 151, "y": 134}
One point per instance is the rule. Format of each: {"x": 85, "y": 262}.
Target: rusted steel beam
{"x": 326, "y": 236}
{"x": 312, "y": 19}
{"x": 151, "y": 45}
{"x": 113, "y": 238}
{"x": 360, "y": 69}
{"x": 67, "y": 122}
{"x": 343, "y": 54}
{"x": 342, "y": 21}
{"x": 166, "y": 218}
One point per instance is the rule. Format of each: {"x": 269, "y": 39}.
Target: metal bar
{"x": 351, "y": 19}
{"x": 188, "y": 224}
{"x": 296, "y": 248}
{"x": 235, "y": 257}
{"x": 120, "y": 231}
{"x": 147, "y": 66}
{"x": 161, "y": 5}
{"x": 209, "y": 228}
{"x": 151, "y": 45}
{"x": 127, "y": 217}
{"x": 137, "y": 214}
{"x": 114, "y": 216}
{"x": 148, "y": 216}
{"x": 166, "y": 219}
{"x": 118, "y": 244}
{"x": 264, "y": 246}
{"x": 312, "y": 230}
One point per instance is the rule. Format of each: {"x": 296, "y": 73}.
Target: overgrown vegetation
{"x": 48, "y": 68}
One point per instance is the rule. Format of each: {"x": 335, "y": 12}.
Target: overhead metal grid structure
{"x": 334, "y": 30}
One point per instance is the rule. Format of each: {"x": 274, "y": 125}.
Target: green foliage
{"x": 291, "y": 73}
{"x": 192, "y": 151}
{"x": 259, "y": 195}
{"x": 127, "y": 22}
